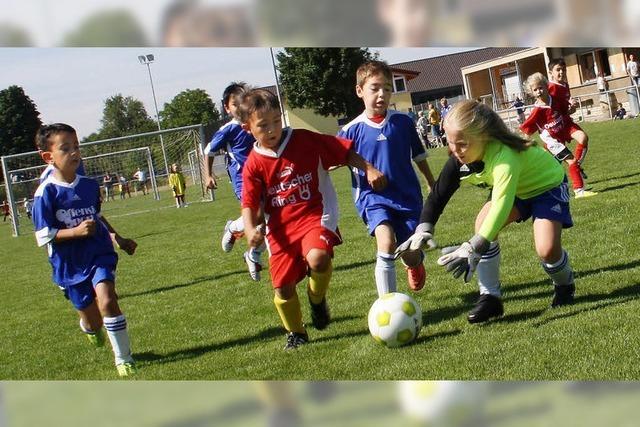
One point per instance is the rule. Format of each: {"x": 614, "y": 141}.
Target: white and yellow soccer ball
{"x": 443, "y": 403}
{"x": 395, "y": 319}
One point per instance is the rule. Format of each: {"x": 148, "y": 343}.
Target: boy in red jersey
{"x": 562, "y": 102}
{"x": 287, "y": 174}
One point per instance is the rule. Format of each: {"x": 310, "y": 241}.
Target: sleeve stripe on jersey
{"x": 45, "y": 235}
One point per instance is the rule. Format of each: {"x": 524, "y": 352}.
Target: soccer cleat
{"x": 97, "y": 339}
{"x": 563, "y": 295}
{"x": 416, "y": 277}
{"x": 228, "y": 238}
{"x": 486, "y": 307}
{"x": 254, "y": 267}
{"x": 126, "y": 369}
{"x": 295, "y": 340}
{"x": 320, "y": 316}
{"x": 579, "y": 194}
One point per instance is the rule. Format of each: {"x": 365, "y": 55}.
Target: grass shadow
{"x": 354, "y": 265}
{"x": 194, "y": 352}
{"x": 181, "y": 285}
{"x": 614, "y": 178}
{"x": 617, "y": 187}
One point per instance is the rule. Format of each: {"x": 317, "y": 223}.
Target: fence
{"x": 22, "y": 171}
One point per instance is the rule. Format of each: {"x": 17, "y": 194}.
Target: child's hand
{"x": 256, "y": 238}
{"x": 86, "y": 228}
{"x": 127, "y": 245}
{"x": 212, "y": 183}
{"x": 376, "y": 179}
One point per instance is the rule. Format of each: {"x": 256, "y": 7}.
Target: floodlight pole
{"x": 147, "y": 60}
{"x": 275, "y": 73}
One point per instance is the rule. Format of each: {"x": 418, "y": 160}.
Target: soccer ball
{"x": 395, "y": 319}
{"x": 443, "y": 403}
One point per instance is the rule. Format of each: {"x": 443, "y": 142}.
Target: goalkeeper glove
{"x": 423, "y": 237}
{"x": 462, "y": 260}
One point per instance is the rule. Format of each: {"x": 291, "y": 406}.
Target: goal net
{"x": 153, "y": 153}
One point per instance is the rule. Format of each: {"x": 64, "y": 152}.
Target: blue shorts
{"x": 404, "y": 223}
{"x": 552, "y": 205}
{"x": 83, "y": 294}
{"x": 435, "y": 130}
{"x": 236, "y": 181}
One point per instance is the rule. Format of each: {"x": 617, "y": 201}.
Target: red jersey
{"x": 561, "y": 95}
{"x": 293, "y": 184}
{"x": 547, "y": 118}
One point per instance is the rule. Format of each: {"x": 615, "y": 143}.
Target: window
{"x": 591, "y": 63}
{"x": 399, "y": 84}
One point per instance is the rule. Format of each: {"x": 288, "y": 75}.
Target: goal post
{"x": 182, "y": 146}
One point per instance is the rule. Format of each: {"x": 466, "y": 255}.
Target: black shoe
{"x": 486, "y": 307}
{"x": 563, "y": 295}
{"x": 295, "y": 340}
{"x": 320, "y": 316}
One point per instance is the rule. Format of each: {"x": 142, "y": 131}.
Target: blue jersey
{"x": 59, "y": 205}
{"x": 389, "y": 146}
{"x": 237, "y": 143}
{"x": 50, "y": 168}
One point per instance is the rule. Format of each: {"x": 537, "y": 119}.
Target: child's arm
{"x": 85, "y": 229}
{"x": 376, "y": 179}
{"x": 211, "y": 178}
{"x": 127, "y": 245}
{"x": 426, "y": 171}
{"x": 253, "y": 228}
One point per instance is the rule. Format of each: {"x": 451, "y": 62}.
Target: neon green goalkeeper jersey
{"x": 177, "y": 183}
{"x": 512, "y": 174}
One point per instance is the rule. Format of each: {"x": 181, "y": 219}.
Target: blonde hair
{"x": 373, "y": 68}
{"x": 478, "y": 120}
{"x": 533, "y": 79}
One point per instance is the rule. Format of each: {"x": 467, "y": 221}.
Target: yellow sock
{"x": 318, "y": 284}
{"x": 290, "y": 313}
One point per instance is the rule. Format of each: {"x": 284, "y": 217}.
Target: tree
{"x": 19, "y": 121}
{"x": 190, "y": 107}
{"x": 322, "y": 79}
{"x": 124, "y": 116}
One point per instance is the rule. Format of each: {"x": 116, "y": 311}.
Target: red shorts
{"x": 570, "y": 128}
{"x": 289, "y": 266}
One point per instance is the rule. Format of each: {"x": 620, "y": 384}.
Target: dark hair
{"x": 556, "y": 61}
{"x": 257, "y": 100}
{"x": 234, "y": 88}
{"x": 47, "y": 131}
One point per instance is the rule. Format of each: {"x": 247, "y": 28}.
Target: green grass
{"x": 194, "y": 314}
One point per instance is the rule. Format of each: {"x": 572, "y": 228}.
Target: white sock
{"x": 560, "y": 272}
{"x": 237, "y": 226}
{"x": 177, "y": 203}
{"x": 119, "y": 337}
{"x": 256, "y": 253}
{"x": 488, "y": 271}
{"x": 385, "y": 274}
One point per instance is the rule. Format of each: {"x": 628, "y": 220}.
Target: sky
{"x": 70, "y": 85}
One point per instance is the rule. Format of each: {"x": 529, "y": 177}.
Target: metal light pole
{"x": 275, "y": 73}
{"x": 147, "y": 60}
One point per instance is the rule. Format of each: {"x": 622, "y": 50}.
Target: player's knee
{"x": 319, "y": 261}
{"x": 548, "y": 253}
{"x": 285, "y": 292}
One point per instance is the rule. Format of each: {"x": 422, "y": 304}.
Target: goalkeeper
{"x": 527, "y": 182}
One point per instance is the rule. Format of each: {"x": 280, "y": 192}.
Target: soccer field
{"x": 194, "y": 314}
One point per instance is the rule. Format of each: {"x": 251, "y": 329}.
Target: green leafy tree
{"x": 19, "y": 121}
{"x": 124, "y": 116}
{"x": 190, "y": 107}
{"x": 322, "y": 79}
